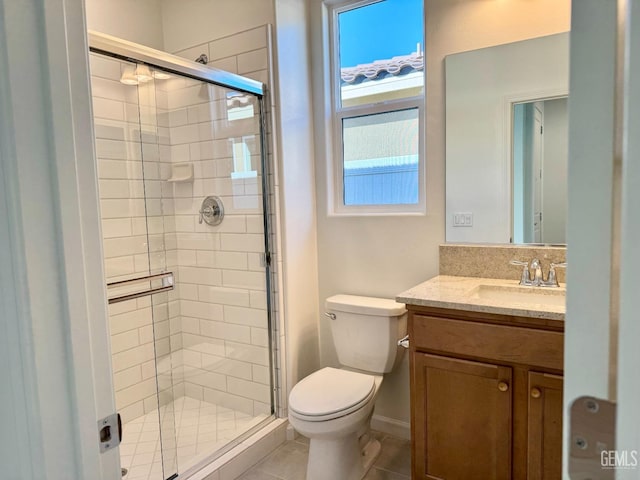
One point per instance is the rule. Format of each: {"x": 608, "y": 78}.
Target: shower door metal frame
{"x": 133, "y": 52}
{"x": 123, "y": 50}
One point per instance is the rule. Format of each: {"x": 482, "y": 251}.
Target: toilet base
{"x": 341, "y": 459}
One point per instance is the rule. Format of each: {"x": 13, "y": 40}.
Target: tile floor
{"x": 192, "y": 430}
{"x": 289, "y": 461}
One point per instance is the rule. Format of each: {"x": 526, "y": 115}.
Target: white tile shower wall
{"x": 222, "y": 294}
{"x": 133, "y": 231}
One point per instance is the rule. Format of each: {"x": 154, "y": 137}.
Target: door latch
{"x": 110, "y": 432}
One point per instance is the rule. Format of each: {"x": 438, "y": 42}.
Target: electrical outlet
{"x": 463, "y": 219}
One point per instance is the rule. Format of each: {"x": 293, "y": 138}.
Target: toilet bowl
{"x": 333, "y": 406}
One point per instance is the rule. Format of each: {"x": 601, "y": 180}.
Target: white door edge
{"x": 628, "y": 380}
{"x": 60, "y": 352}
{"x": 589, "y": 226}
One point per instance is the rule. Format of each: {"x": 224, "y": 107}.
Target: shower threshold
{"x": 202, "y": 430}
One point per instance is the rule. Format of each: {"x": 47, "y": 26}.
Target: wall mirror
{"x": 506, "y": 142}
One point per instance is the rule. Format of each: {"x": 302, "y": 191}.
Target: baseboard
{"x": 391, "y": 426}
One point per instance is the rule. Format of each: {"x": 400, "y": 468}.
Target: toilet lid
{"x": 330, "y": 391}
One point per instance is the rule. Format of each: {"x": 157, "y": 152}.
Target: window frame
{"x": 335, "y": 177}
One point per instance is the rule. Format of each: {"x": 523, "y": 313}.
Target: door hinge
{"x": 109, "y": 432}
{"x": 592, "y": 452}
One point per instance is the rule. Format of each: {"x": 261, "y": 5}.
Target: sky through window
{"x": 380, "y": 31}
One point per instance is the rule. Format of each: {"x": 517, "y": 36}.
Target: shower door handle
{"x": 167, "y": 284}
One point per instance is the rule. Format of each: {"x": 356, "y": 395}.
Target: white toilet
{"x": 333, "y": 407}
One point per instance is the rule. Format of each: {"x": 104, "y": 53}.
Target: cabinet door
{"x": 462, "y": 419}
{"x": 544, "y": 446}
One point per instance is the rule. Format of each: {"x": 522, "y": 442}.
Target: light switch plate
{"x": 463, "y": 219}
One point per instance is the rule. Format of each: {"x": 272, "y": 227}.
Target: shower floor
{"x": 201, "y": 428}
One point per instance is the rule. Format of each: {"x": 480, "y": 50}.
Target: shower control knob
{"x": 206, "y": 212}
{"x": 211, "y": 211}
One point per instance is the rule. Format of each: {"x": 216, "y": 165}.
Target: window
{"x": 378, "y": 105}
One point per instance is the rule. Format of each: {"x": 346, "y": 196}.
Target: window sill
{"x": 421, "y": 212}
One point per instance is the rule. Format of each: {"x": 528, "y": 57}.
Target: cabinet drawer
{"x": 488, "y": 341}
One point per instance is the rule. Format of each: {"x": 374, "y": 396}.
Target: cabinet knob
{"x": 503, "y": 386}
{"x": 536, "y": 393}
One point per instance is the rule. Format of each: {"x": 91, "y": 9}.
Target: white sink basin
{"x": 520, "y": 294}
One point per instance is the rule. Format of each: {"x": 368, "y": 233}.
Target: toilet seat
{"x": 330, "y": 393}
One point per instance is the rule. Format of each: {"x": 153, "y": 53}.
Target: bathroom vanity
{"x": 486, "y": 360}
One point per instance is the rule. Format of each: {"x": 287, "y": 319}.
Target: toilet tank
{"x": 366, "y": 331}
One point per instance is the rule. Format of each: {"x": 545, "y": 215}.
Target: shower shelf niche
{"x": 181, "y": 172}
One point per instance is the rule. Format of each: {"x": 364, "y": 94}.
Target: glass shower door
{"x": 213, "y": 167}
{"x": 184, "y": 215}
{"x": 139, "y": 284}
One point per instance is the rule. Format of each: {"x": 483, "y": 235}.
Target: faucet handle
{"x": 525, "y": 278}
{"x": 552, "y": 280}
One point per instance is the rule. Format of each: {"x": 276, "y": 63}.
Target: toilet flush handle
{"x": 404, "y": 342}
{"x": 332, "y": 316}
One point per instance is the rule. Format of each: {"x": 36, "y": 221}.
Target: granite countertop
{"x": 488, "y": 295}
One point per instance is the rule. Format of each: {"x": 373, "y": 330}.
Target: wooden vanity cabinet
{"x": 544, "y": 438}
{"x": 486, "y": 396}
{"x": 467, "y": 418}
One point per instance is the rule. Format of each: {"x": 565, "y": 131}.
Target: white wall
{"x": 138, "y": 21}
{"x": 481, "y": 85}
{"x": 554, "y": 171}
{"x": 294, "y": 150}
{"x": 174, "y": 25}
{"x": 191, "y": 22}
{"x": 381, "y": 256}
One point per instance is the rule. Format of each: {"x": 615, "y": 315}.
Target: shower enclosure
{"x": 185, "y": 219}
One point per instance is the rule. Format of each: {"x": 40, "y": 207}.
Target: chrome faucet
{"x": 552, "y": 281}
{"x": 538, "y": 277}
{"x": 538, "y": 280}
